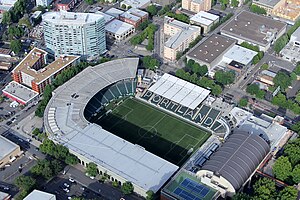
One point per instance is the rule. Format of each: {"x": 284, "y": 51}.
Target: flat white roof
{"x": 20, "y": 92}
{"x": 107, "y": 17}
{"x": 296, "y": 35}
{"x": 205, "y": 18}
{"x": 114, "y": 12}
{"x": 118, "y": 27}
{"x": 240, "y": 54}
{"x": 65, "y": 122}
{"x": 40, "y": 195}
{"x": 136, "y": 3}
{"x": 6, "y": 147}
{"x": 179, "y": 91}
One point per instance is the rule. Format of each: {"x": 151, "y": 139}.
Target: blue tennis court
{"x": 191, "y": 190}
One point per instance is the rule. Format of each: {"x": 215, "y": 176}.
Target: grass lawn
{"x": 158, "y": 132}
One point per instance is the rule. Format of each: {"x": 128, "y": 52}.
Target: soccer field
{"x": 158, "y": 132}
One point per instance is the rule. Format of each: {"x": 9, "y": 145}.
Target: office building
{"x": 286, "y": 10}
{"x": 31, "y": 71}
{"x": 8, "y": 151}
{"x": 291, "y": 52}
{"x": 204, "y": 19}
{"x": 179, "y": 35}
{"x": 118, "y": 30}
{"x": 74, "y": 33}
{"x": 196, "y": 5}
{"x": 255, "y": 29}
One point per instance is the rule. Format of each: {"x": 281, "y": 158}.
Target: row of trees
{"x": 260, "y": 54}
{"x": 265, "y": 189}
{"x": 26, "y": 184}
{"x": 58, "y": 151}
{"x": 147, "y": 33}
{"x": 16, "y": 13}
{"x": 226, "y": 3}
{"x": 59, "y": 80}
{"x": 287, "y": 167}
{"x": 258, "y": 9}
{"x": 285, "y": 38}
{"x": 46, "y": 168}
{"x": 180, "y": 17}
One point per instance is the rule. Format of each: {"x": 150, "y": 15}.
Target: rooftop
{"x": 5, "y": 51}
{"x": 179, "y": 91}
{"x": 205, "y": 18}
{"x": 20, "y": 92}
{"x": 33, "y": 56}
{"x": 173, "y": 22}
{"x": 240, "y": 54}
{"x": 136, "y": 3}
{"x": 71, "y": 18}
{"x": 211, "y": 48}
{"x": 296, "y": 35}
{"x": 254, "y": 28}
{"x": 137, "y": 12}
{"x": 6, "y": 147}
{"x": 118, "y": 27}
{"x": 130, "y": 16}
{"x": 114, "y": 12}
{"x": 40, "y": 195}
{"x": 66, "y": 2}
{"x": 107, "y": 17}
{"x": 269, "y": 3}
{"x": 64, "y": 120}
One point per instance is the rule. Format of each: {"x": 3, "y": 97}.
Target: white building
{"x": 136, "y": 3}
{"x": 74, "y": 33}
{"x": 40, "y": 195}
{"x": 43, "y": 3}
{"x": 118, "y": 30}
{"x": 6, "y": 5}
{"x": 291, "y": 52}
{"x": 205, "y": 20}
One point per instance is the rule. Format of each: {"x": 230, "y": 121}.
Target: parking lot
{"x": 63, "y": 188}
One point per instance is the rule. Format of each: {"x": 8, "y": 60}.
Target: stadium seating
{"x": 120, "y": 89}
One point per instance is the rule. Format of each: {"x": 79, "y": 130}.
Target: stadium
{"x": 130, "y": 137}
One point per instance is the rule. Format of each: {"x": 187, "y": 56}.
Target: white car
{"x": 66, "y": 185}
{"x": 71, "y": 180}
{"x": 66, "y": 190}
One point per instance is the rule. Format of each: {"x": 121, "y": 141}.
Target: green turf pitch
{"x": 158, "y": 132}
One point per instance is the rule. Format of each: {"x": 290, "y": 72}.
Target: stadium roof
{"x": 40, "y": 195}
{"x": 179, "y": 91}
{"x": 64, "y": 119}
{"x": 238, "y": 157}
{"x": 6, "y": 147}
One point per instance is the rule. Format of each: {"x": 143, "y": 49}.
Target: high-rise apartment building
{"x": 196, "y": 5}
{"x": 74, "y": 33}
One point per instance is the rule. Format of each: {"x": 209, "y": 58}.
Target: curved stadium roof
{"x": 238, "y": 157}
{"x": 64, "y": 120}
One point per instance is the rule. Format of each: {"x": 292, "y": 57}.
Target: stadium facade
{"x": 65, "y": 119}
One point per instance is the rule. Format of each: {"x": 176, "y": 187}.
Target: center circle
{"x": 147, "y": 131}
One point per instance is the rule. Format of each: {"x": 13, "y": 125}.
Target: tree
{"x": 288, "y": 193}
{"x": 260, "y": 94}
{"x": 264, "y": 66}
{"x": 241, "y": 196}
{"x": 150, "y": 63}
{"x": 280, "y": 43}
{"x": 150, "y": 195}
{"x": 264, "y": 189}
{"x": 235, "y": 3}
{"x": 7, "y": 18}
{"x": 243, "y": 102}
{"x": 91, "y": 169}
{"x": 283, "y": 80}
{"x": 297, "y": 69}
{"x": 123, "y": 6}
{"x": 71, "y": 159}
{"x": 292, "y": 151}
{"x": 26, "y": 183}
{"x": 25, "y": 21}
{"x": 296, "y": 174}
{"x": 252, "y": 89}
{"x": 296, "y": 127}
{"x": 152, "y": 9}
{"x": 115, "y": 184}
{"x": 143, "y": 25}
{"x": 56, "y": 166}
{"x": 48, "y": 147}
{"x": 89, "y": 2}
{"x": 60, "y": 152}
{"x": 36, "y": 131}
{"x": 282, "y": 168}
{"x": 225, "y": 78}
{"x": 127, "y": 187}
{"x": 258, "y": 10}
{"x": 16, "y": 46}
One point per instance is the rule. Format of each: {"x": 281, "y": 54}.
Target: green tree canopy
{"x": 243, "y": 102}
{"x": 264, "y": 189}
{"x": 283, "y": 80}
{"x": 252, "y": 89}
{"x": 91, "y": 169}
{"x": 235, "y": 3}
{"x": 282, "y": 168}
{"x": 152, "y": 9}
{"x": 241, "y": 196}
{"x": 7, "y": 18}
{"x": 150, "y": 63}
{"x": 123, "y": 6}
{"x": 292, "y": 151}
{"x": 258, "y": 10}
{"x": 127, "y": 187}
{"x": 89, "y": 2}
{"x": 26, "y": 183}
{"x": 150, "y": 195}
{"x": 16, "y": 46}
{"x": 296, "y": 174}
{"x": 280, "y": 43}
{"x": 288, "y": 193}
{"x": 225, "y": 78}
